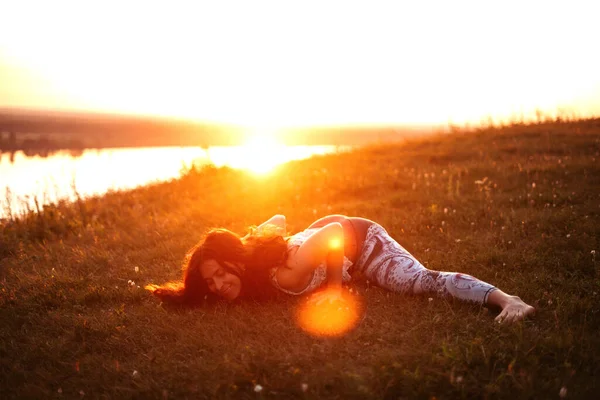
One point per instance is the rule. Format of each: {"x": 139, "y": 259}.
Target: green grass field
{"x": 517, "y": 207}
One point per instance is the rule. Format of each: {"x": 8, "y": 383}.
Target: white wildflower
{"x": 137, "y": 269}
{"x": 258, "y": 388}
{"x": 563, "y": 392}
{"x": 304, "y": 387}
{"x": 568, "y": 235}
{"x": 430, "y": 299}
{"x": 131, "y": 283}
{"x": 135, "y": 374}
{"x": 593, "y": 252}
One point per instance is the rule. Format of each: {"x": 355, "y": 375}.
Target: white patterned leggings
{"x": 386, "y": 263}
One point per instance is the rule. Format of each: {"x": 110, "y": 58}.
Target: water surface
{"x": 61, "y": 175}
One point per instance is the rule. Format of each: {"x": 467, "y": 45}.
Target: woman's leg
{"x": 404, "y": 274}
{"x": 387, "y": 264}
{"x": 321, "y": 222}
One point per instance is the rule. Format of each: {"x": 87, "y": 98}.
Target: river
{"x": 26, "y": 179}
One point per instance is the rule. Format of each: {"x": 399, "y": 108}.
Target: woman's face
{"x": 220, "y": 281}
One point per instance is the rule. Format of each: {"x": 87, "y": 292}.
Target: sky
{"x": 283, "y": 63}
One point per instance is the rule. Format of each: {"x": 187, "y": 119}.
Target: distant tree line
{"x": 34, "y": 131}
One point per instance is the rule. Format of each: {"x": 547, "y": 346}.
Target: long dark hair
{"x": 257, "y": 254}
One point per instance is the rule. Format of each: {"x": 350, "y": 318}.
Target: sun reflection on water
{"x": 262, "y": 153}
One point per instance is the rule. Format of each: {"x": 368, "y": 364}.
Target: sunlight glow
{"x": 335, "y": 243}
{"x": 330, "y": 319}
{"x": 259, "y": 154}
{"x": 262, "y": 152}
{"x": 267, "y": 61}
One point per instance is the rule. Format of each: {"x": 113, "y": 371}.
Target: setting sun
{"x": 260, "y": 153}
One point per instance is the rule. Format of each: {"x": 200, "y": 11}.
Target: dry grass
{"x": 517, "y": 207}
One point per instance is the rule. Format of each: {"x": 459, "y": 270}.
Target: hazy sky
{"x": 304, "y": 62}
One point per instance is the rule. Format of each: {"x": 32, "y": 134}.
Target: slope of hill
{"x": 517, "y": 207}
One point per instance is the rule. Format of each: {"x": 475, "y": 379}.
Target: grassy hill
{"x": 517, "y": 207}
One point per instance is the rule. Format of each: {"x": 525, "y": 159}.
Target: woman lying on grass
{"x": 265, "y": 262}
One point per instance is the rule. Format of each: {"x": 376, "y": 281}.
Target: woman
{"x": 263, "y": 263}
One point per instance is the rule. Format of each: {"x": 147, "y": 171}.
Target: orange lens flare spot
{"x": 335, "y": 243}
{"x": 323, "y": 317}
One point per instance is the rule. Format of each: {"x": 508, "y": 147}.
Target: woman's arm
{"x": 275, "y": 224}
{"x": 278, "y": 221}
{"x": 325, "y": 245}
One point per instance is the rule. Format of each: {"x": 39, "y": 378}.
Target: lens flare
{"x": 329, "y": 318}
{"x": 335, "y": 243}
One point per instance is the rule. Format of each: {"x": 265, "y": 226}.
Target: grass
{"x": 515, "y": 206}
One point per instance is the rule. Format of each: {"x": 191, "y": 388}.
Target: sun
{"x": 262, "y": 153}
{"x": 263, "y": 150}
{"x": 259, "y": 153}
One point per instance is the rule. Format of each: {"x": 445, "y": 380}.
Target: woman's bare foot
{"x": 513, "y": 308}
